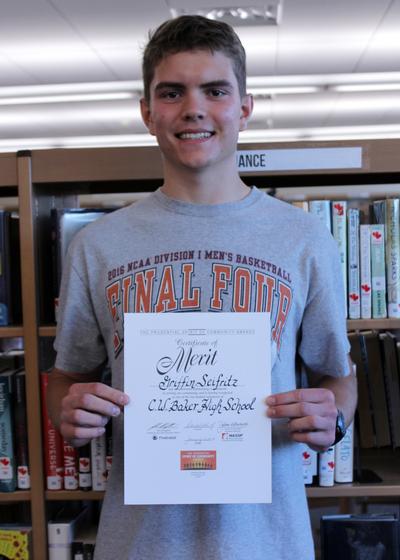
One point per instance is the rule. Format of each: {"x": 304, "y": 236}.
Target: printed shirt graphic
{"x": 167, "y": 283}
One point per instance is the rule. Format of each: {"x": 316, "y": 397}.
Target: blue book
{"x": 8, "y": 479}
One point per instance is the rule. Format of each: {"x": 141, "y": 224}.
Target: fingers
{"x": 87, "y": 408}
{"x": 311, "y": 415}
{"x": 302, "y": 402}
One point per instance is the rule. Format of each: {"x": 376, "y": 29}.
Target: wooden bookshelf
{"x": 46, "y": 178}
{"x": 11, "y": 332}
{"x": 18, "y": 496}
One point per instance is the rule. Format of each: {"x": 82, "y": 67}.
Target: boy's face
{"x": 195, "y": 109}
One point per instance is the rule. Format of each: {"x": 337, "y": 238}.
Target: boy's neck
{"x": 205, "y": 187}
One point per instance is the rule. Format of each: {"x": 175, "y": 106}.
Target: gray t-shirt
{"x": 164, "y": 255}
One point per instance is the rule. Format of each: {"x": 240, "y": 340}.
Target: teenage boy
{"x": 232, "y": 248}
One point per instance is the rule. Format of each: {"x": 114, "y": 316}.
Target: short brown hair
{"x": 189, "y": 33}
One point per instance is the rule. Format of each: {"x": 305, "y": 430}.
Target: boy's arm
{"x": 312, "y": 412}
{"x": 80, "y": 406}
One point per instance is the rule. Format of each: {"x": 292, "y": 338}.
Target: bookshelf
{"x": 44, "y": 179}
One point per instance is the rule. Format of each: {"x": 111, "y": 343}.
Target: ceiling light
{"x": 267, "y": 14}
{"x": 33, "y": 100}
{"x": 352, "y": 88}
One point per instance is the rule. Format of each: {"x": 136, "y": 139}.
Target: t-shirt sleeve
{"x": 79, "y": 343}
{"x": 323, "y": 345}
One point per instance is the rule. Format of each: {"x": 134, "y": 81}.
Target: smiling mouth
{"x": 194, "y": 135}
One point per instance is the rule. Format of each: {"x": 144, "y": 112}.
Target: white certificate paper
{"x": 195, "y": 431}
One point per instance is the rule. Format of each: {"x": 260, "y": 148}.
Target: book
{"x": 344, "y": 454}
{"x": 15, "y": 269}
{"x": 66, "y": 223}
{"x": 326, "y": 467}
{"x": 373, "y": 362}
{"x": 378, "y": 271}
{"x": 364, "y": 407}
{"x": 98, "y": 462}
{"x": 339, "y": 232}
{"x": 5, "y": 277}
{"x": 84, "y": 467}
{"x": 62, "y": 528}
{"x": 52, "y": 443}
{"x": 365, "y": 272}
{"x": 321, "y": 209}
{"x": 21, "y": 431}
{"x": 16, "y": 542}
{"x": 353, "y": 215}
{"x": 70, "y": 463}
{"x": 392, "y": 248}
{"x": 8, "y": 480}
{"x": 374, "y": 536}
{"x": 392, "y": 384}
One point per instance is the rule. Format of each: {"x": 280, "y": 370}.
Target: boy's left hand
{"x": 311, "y": 415}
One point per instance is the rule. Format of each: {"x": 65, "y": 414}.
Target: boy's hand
{"x": 311, "y": 415}
{"x": 86, "y": 409}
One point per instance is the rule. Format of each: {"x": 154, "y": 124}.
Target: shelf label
{"x": 295, "y": 159}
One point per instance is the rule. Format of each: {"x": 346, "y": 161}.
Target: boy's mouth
{"x": 203, "y": 135}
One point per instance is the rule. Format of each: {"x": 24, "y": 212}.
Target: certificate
{"x": 195, "y": 430}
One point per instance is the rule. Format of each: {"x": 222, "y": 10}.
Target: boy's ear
{"x": 246, "y": 110}
{"x": 146, "y": 115}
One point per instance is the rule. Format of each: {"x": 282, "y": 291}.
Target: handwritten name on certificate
{"x": 195, "y": 431}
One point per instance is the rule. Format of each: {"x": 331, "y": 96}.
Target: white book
{"x": 392, "y": 244}
{"x": 98, "y": 458}
{"x": 61, "y": 533}
{"x": 339, "y": 232}
{"x": 326, "y": 467}
{"x": 308, "y": 460}
{"x": 353, "y": 215}
{"x": 365, "y": 272}
{"x": 378, "y": 272}
{"x": 321, "y": 209}
{"x": 344, "y": 452}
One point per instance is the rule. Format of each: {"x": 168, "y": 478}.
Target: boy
{"x": 195, "y": 103}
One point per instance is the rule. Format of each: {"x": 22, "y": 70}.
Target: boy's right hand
{"x": 86, "y": 409}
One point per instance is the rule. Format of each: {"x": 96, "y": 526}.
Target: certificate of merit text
{"x": 196, "y": 430}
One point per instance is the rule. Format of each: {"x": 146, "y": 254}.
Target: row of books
{"x": 14, "y": 455}
{"x": 377, "y": 358}
{"x": 69, "y": 468}
{"x": 369, "y": 247}
{"x": 10, "y": 270}
{"x": 71, "y": 534}
{"x": 334, "y": 465}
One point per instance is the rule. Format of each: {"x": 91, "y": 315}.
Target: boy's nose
{"x": 193, "y": 108}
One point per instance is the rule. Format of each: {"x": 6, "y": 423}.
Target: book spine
{"x": 98, "y": 457}
{"x": 365, "y": 272}
{"x": 84, "y": 467}
{"x": 52, "y": 440}
{"x": 8, "y": 481}
{"x": 354, "y": 263}
{"x": 70, "y": 467}
{"x": 322, "y": 209}
{"x": 339, "y": 232}
{"x": 326, "y": 467}
{"x": 302, "y": 204}
{"x": 4, "y": 269}
{"x": 109, "y": 454}
{"x": 21, "y": 437}
{"x": 344, "y": 453}
{"x": 393, "y": 257}
{"x": 378, "y": 273}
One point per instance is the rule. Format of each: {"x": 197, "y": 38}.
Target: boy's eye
{"x": 169, "y": 94}
{"x": 217, "y": 92}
